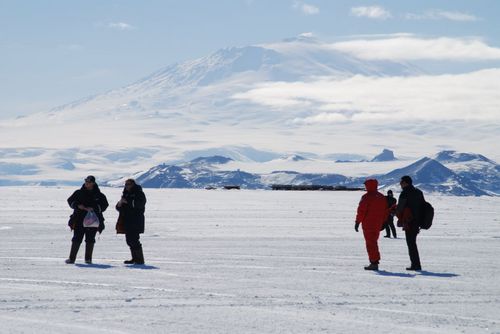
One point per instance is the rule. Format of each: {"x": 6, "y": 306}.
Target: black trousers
{"x": 411, "y": 242}
{"x": 389, "y": 226}
{"x": 88, "y": 232}
{"x": 132, "y": 239}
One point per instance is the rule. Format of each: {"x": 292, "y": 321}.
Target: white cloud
{"x": 372, "y": 12}
{"x": 307, "y": 35}
{"x": 305, "y": 8}
{"x": 470, "y": 96}
{"x": 408, "y": 47}
{"x": 322, "y": 118}
{"x": 442, "y": 15}
{"x": 120, "y": 26}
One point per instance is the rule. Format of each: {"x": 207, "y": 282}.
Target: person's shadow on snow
{"x": 142, "y": 267}
{"x": 432, "y": 274}
{"x": 388, "y": 273}
{"x": 94, "y": 265}
{"x": 417, "y": 273}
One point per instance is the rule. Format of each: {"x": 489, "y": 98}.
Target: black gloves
{"x": 356, "y": 227}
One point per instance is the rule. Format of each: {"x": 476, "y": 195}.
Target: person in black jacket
{"x": 88, "y": 198}
{"x": 410, "y": 211}
{"x": 131, "y": 207}
{"x": 389, "y": 223}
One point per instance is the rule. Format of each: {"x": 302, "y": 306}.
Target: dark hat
{"x": 90, "y": 178}
{"x": 130, "y": 181}
{"x": 407, "y": 179}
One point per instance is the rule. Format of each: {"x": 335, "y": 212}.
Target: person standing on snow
{"x": 410, "y": 212}
{"x": 131, "y": 207}
{"x": 87, "y": 199}
{"x": 372, "y": 213}
{"x": 389, "y": 223}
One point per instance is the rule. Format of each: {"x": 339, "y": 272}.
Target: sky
{"x": 57, "y": 51}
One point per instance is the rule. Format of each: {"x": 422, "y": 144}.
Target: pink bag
{"x": 91, "y": 220}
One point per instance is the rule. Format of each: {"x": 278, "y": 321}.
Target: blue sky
{"x": 53, "y": 52}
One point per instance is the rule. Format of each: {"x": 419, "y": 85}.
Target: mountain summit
{"x": 386, "y": 155}
{"x": 205, "y": 106}
{"x": 211, "y": 81}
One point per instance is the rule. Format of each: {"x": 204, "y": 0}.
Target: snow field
{"x": 246, "y": 262}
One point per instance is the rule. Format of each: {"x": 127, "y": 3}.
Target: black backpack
{"x": 427, "y": 217}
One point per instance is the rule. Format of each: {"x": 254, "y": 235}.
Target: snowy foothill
{"x": 246, "y": 262}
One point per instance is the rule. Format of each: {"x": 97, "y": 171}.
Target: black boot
{"x": 89, "y": 249}
{"x": 73, "y": 252}
{"x": 138, "y": 256}
{"x": 414, "y": 268}
{"x": 372, "y": 266}
{"x": 131, "y": 261}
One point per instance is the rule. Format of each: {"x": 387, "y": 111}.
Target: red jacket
{"x": 372, "y": 209}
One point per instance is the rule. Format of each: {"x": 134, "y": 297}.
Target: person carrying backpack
{"x": 410, "y": 212}
{"x": 372, "y": 213}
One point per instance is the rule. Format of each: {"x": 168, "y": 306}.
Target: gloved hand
{"x": 356, "y": 227}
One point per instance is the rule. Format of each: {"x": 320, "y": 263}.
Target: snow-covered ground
{"x": 246, "y": 262}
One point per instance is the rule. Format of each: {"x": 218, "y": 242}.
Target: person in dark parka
{"x": 410, "y": 211}
{"x": 88, "y": 198}
{"x": 389, "y": 223}
{"x": 131, "y": 207}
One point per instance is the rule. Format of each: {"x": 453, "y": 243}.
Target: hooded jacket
{"x": 372, "y": 209}
{"x": 410, "y": 209}
{"x": 132, "y": 213}
{"x": 90, "y": 198}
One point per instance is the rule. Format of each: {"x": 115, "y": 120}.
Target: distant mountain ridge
{"x": 428, "y": 174}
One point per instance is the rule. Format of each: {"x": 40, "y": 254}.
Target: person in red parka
{"x": 372, "y": 213}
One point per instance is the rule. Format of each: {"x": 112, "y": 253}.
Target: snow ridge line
{"x": 105, "y": 285}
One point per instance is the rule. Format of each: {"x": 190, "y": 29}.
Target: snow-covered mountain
{"x": 195, "y": 108}
{"x": 482, "y": 172}
{"x": 198, "y": 173}
{"x": 208, "y": 83}
{"x": 428, "y": 174}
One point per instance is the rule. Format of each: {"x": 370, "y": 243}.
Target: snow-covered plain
{"x": 246, "y": 262}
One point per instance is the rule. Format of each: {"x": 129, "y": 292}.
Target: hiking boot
{"x": 387, "y": 236}
{"x": 89, "y": 249}
{"x": 372, "y": 266}
{"x": 72, "y": 253}
{"x": 138, "y": 256}
{"x": 412, "y": 268}
{"x": 132, "y": 260}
